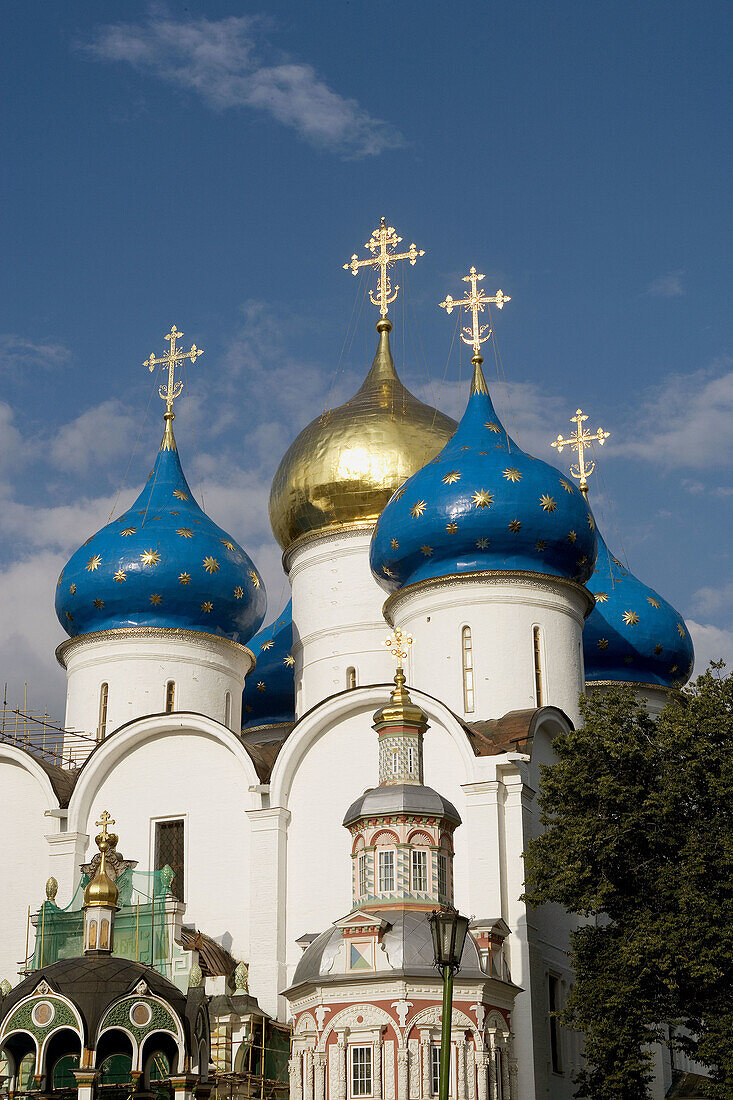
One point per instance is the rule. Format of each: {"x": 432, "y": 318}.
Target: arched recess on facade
{"x": 60, "y": 1055}
{"x": 337, "y": 708}
{"x": 116, "y": 1056}
{"x": 360, "y": 1016}
{"x": 127, "y": 739}
{"x": 20, "y": 1050}
{"x": 160, "y": 1055}
{"x": 432, "y": 1017}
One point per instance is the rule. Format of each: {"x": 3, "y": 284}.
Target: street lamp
{"x": 449, "y": 930}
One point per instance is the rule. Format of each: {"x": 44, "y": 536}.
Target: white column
{"x": 66, "y": 852}
{"x": 483, "y": 800}
{"x": 461, "y": 1067}
{"x": 319, "y": 1076}
{"x": 513, "y": 1069}
{"x": 296, "y": 1076}
{"x": 268, "y": 876}
{"x": 340, "y": 1055}
{"x": 425, "y": 1056}
{"x": 482, "y": 1075}
{"x": 377, "y": 1067}
{"x": 505, "y": 1086}
{"x": 403, "y": 1057}
{"x": 307, "y": 1075}
{"x": 493, "y": 1087}
{"x": 183, "y": 1085}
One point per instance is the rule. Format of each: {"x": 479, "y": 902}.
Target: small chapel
{"x": 296, "y": 799}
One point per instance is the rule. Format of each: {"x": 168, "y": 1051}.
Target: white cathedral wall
{"x": 180, "y": 773}
{"x": 24, "y": 799}
{"x": 337, "y": 617}
{"x": 137, "y": 665}
{"x": 501, "y": 614}
{"x": 654, "y": 698}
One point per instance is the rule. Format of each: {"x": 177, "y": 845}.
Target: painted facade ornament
{"x": 402, "y": 1008}
{"x": 141, "y": 988}
{"x": 195, "y": 976}
{"x": 321, "y": 1013}
{"x": 241, "y": 977}
{"x": 480, "y": 1011}
{"x": 5, "y": 987}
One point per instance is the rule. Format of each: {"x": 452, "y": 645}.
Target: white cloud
{"x": 19, "y": 354}
{"x": 711, "y": 644}
{"x": 713, "y": 601}
{"x": 222, "y": 61}
{"x": 686, "y": 423}
{"x": 95, "y": 438}
{"x": 666, "y": 286}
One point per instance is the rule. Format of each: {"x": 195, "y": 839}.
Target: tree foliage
{"x": 639, "y": 840}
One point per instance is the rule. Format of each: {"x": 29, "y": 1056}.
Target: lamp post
{"x": 449, "y": 930}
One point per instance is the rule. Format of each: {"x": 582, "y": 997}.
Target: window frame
{"x": 538, "y": 666}
{"x": 103, "y": 710}
{"x": 167, "y": 819}
{"x": 368, "y": 1065}
{"x": 383, "y": 854}
{"x": 467, "y": 670}
{"x": 554, "y": 1004}
{"x": 442, "y": 874}
{"x": 422, "y": 853}
{"x": 362, "y": 874}
{"x": 170, "y": 696}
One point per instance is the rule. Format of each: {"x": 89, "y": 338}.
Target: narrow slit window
{"x": 103, "y": 697}
{"x": 554, "y": 998}
{"x": 228, "y": 710}
{"x": 170, "y": 696}
{"x": 442, "y": 875}
{"x": 410, "y": 760}
{"x": 350, "y": 678}
{"x": 537, "y": 653}
{"x": 362, "y": 875}
{"x": 467, "y": 659}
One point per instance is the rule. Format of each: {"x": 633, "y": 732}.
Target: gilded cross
{"x": 174, "y": 355}
{"x": 381, "y": 241}
{"x": 578, "y": 443}
{"x": 475, "y": 335}
{"x": 398, "y": 646}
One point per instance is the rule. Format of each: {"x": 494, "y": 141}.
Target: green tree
{"x": 639, "y": 841}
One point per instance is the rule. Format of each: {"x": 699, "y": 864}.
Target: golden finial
{"x": 400, "y": 708}
{"x": 475, "y": 335}
{"x": 399, "y": 645}
{"x": 381, "y": 240}
{"x": 579, "y": 442}
{"x": 102, "y": 890}
{"x": 173, "y": 388}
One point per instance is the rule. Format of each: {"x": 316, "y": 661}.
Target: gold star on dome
{"x": 72, "y": 589}
{"x": 398, "y": 495}
{"x": 657, "y": 649}
{"x": 150, "y": 557}
{"x": 426, "y": 550}
{"x": 572, "y": 537}
{"x": 379, "y": 243}
{"x": 451, "y": 528}
{"x": 451, "y": 477}
{"x": 566, "y": 485}
{"x": 184, "y": 532}
{"x": 156, "y": 599}
{"x": 128, "y": 531}
{"x": 69, "y": 616}
{"x": 387, "y": 572}
{"x": 120, "y": 576}
{"x": 466, "y": 448}
{"x": 482, "y": 544}
{"x": 515, "y": 525}
{"x": 582, "y": 560}
{"x": 261, "y": 686}
{"x": 238, "y": 592}
{"x": 652, "y": 601}
{"x": 628, "y": 660}
{"x": 93, "y": 563}
{"x": 289, "y": 661}
{"x": 482, "y": 499}
{"x": 680, "y": 630}
{"x": 207, "y": 606}
{"x": 99, "y": 604}
{"x": 61, "y": 577}
{"x": 631, "y": 618}
{"x": 591, "y": 522}
{"x": 179, "y": 493}
{"x": 602, "y": 643}
{"x": 601, "y": 597}
{"x": 225, "y": 542}
{"x": 211, "y": 565}
{"x": 512, "y": 474}
{"x": 184, "y": 578}
{"x": 540, "y": 545}
{"x": 267, "y": 645}
{"x": 254, "y": 578}
{"x": 175, "y": 513}
{"x": 417, "y": 509}
{"x": 395, "y": 544}
{"x": 673, "y": 668}
{"x": 549, "y": 504}
{"x": 492, "y": 426}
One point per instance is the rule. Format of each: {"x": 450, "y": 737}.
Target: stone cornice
{"x": 517, "y": 577}
{"x": 194, "y": 637}
{"x": 330, "y": 534}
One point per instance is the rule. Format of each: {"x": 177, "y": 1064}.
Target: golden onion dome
{"x": 101, "y": 890}
{"x": 345, "y": 465}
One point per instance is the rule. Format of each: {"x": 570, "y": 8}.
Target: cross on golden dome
{"x": 474, "y": 335}
{"x": 398, "y": 646}
{"x": 579, "y": 442}
{"x": 381, "y": 240}
{"x": 174, "y": 355}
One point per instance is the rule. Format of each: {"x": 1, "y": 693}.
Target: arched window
{"x": 350, "y": 678}
{"x": 537, "y": 657}
{"x": 103, "y": 696}
{"x": 228, "y": 710}
{"x": 467, "y": 660}
{"x": 170, "y": 696}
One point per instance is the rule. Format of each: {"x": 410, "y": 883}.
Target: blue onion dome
{"x": 483, "y": 504}
{"x": 269, "y": 691}
{"x": 633, "y": 635}
{"x": 163, "y": 564}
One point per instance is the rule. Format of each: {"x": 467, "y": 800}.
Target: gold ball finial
{"x": 102, "y": 890}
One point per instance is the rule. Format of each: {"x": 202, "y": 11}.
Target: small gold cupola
{"x": 101, "y": 896}
{"x": 400, "y": 725}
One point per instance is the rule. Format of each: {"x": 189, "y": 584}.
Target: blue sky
{"x": 214, "y": 165}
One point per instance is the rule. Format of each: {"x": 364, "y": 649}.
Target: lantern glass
{"x": 449, "y": 930}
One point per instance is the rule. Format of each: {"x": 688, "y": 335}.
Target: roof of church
{"x": 213, "y": 958}
{"x": 483, "y": 504}
{"x": 269, "y": 691}
{"x": 162, "y": 563}
{"x": 408, "y": 945}
{"x": 93, "y": 983}
{"x": 398, "y": 798}
{"x": 513, "y": 732}
{"x": 633, "y": 635}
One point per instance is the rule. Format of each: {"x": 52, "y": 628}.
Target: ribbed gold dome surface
{"x": 343, "y": 468}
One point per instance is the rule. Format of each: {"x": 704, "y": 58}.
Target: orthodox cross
{"x": 578, "y": 443}
{"x": 476, "y": 334}
{"x": 398, "y": 646}
{"x": 104, "y": 821}
{"x": 174, "y": 355}
{"x": 381, "y": 240}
